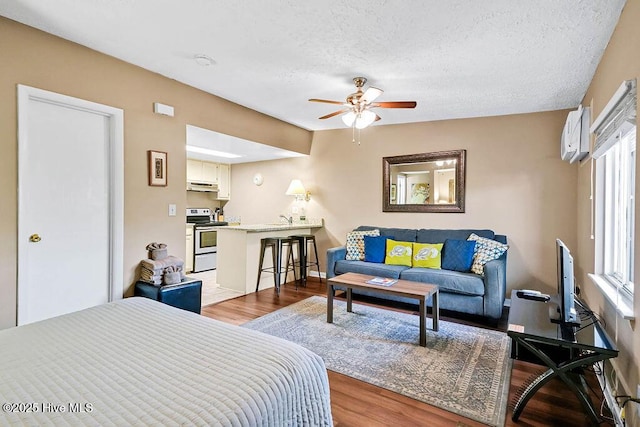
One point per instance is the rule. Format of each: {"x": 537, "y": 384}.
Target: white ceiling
{"x": 456, "y": 58}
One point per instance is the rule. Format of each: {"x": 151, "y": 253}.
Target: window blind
{"x": 617, "y": 118}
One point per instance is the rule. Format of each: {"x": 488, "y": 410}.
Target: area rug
{"x": 463, "y": 369}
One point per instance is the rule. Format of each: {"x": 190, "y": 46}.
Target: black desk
{"x": 536, "y": 339}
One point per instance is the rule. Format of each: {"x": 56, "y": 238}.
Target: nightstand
{"x": 186, "y": 295}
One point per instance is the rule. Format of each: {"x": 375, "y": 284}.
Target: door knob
{"x": 34, "y": 238}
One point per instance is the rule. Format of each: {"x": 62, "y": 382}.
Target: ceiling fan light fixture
{"x": 349, "y": 118}
{"x": 365, "y": 118}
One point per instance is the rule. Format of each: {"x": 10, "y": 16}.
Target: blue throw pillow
{"x": 375, "y": 248}
{"x": 457, "y": 255}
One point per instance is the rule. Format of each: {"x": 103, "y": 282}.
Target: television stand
{"x": 564, "y": 349}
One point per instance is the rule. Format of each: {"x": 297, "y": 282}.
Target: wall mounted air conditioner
{"x": 574, "y": 144}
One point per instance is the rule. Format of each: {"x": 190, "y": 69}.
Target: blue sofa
{"x": 460, "y": 292}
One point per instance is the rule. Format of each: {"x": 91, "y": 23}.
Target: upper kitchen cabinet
{"x": 199, "y": 171}
{"x": 224, "y": 182}
{"x": 210, "y": 177}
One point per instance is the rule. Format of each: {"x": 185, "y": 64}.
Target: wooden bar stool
{"x": 304, "y": 262}
{"x": 276, "y": 244}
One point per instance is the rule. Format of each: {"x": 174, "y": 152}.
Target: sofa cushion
{"x": 427, "y": 255}
{"x": 439, "y": 236}
{"x": 447, "y": 280}
{"x": 375, "y": 248}
{"x": 369, "y": 268}
{"x": 355, "y": 243}
{"x": 486, "y": 250}
{"x": 400, "y": 234}
{"x": 457, "y": 255}
{"x": 398, "y": 253}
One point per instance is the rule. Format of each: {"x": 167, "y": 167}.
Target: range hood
{"x": 202, "y": 186}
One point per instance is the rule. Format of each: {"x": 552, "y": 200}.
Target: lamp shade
{"x": 365, "y": 118}
{"x": 296, "y": 188}
{"x": 361, "y": 120}
{"x": 349, "y": 118}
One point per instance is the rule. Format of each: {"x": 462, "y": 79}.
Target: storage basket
{"x": 172, "y": 278}
{"x": 158, "y": 254}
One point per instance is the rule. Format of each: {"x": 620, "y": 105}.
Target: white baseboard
{"x": 609, "y": 397}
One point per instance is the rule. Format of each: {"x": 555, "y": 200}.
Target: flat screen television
{"x": 566, "y": 312}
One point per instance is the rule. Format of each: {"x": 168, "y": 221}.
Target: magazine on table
{"x": 382, "y": 281}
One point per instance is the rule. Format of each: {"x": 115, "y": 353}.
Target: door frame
{"x": 26, "y": 95}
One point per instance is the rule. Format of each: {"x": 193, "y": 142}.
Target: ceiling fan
{"x": 357, "y": 108}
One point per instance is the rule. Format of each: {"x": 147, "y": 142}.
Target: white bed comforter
{"x": 139, "y": 362}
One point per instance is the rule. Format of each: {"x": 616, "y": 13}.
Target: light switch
{"x": 172, "y": 210}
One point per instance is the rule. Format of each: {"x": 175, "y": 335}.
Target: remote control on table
{"x": 532, "y": 295}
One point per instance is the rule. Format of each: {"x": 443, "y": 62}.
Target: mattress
{"x": 139, "y": 362}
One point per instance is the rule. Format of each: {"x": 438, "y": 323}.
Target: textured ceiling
{"x": 456, "y": 58}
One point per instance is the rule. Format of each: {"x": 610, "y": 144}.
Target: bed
{"x": 139, "y": 362}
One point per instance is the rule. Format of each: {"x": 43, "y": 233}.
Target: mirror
{"x": 426, "y": 182}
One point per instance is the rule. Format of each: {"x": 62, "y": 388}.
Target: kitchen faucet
{"x": 289, "y": 220}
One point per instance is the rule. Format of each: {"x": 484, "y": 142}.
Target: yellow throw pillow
{"x": 398, "y": 253}
{"x": 427, "y": 255}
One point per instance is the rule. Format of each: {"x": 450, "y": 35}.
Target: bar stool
{"x": 303, "y": 255}
{"x": 276, "y": 244}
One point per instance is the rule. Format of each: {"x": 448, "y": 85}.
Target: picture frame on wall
{"x": 157, "y": 164}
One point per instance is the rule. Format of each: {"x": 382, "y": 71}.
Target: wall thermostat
{"x": 258, "y": 179}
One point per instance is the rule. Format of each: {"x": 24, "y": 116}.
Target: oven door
{"x": 206, "y": 240}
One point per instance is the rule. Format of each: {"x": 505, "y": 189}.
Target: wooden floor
{"x": 356, "y": 403}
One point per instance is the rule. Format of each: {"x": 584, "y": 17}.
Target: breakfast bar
{"x": 239, "y": 252}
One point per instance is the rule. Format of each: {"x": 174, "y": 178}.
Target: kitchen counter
{"x": 259, "y": 228}
{"x": 239, "y": 253}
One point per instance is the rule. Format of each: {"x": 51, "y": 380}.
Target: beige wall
{"x": 37, "y": 59}
{"x": 620, "y": 62}
{"x": 516, "y": 185}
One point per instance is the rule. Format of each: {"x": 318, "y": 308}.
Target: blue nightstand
{"x": 186, "y": 295}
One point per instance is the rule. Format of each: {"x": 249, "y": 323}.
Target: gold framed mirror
{"x": 426, "y": 182}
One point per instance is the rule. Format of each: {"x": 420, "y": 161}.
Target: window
{"x": 618, "y": 214}
{"x": 615, "y": 160}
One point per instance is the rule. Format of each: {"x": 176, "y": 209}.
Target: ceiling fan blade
{"x": 327, "y": 101}
{"x": 335, "y": 113}
{"x": 371, "y": 94}
{"x": 395, "y": 104}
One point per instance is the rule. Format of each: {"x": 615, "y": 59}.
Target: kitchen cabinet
{"x": 224, "y": 182}
{"x": 188, "y": 261}
{"x": 199, "y": 171}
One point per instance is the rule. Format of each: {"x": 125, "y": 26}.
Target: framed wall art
{"x": 157, "y": 163}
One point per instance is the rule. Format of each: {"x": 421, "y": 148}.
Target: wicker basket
{"x": 172, "y": 278}
{"x": 158, "y": 254}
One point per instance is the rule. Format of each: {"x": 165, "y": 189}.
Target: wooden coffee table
{"x": 405, "y": 288}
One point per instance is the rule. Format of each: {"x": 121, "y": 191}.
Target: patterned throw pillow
{"x": 486, "y": 250}
{"x": 457, "y": 255}
{"x": 427, "y": 255}
{"x": 355, "y": 244}
{"x": 398, "y": 253}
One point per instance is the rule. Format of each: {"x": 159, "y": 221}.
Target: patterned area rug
{"x": 463, "y": 369}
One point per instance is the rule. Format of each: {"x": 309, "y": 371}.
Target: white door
{"x": 69, "y": 204}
